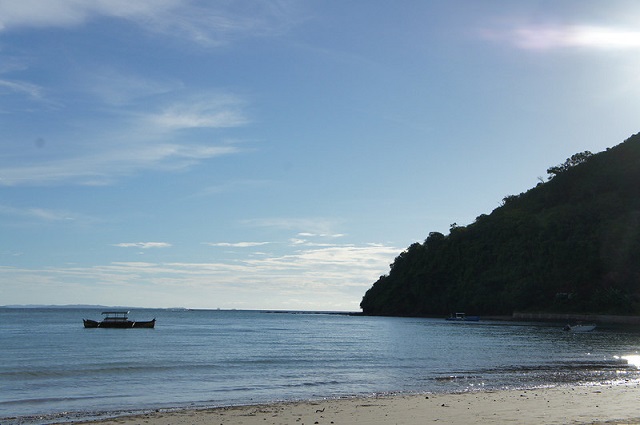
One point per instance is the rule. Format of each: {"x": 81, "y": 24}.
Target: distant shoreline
{"x": 573, "y": 317}
{"x": 515, "y": 317}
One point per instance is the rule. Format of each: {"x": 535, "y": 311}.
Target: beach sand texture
{"x": 610, "y": 404}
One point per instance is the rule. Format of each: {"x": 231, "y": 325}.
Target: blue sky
{"x": 279, "y": 155}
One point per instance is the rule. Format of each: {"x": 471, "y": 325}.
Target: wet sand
{"x": 610, "y": 404}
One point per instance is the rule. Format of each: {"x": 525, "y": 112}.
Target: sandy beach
{"x": 603, "y": 404}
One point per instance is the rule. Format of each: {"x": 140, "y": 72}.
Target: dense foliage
{"x": 571, "y": 244}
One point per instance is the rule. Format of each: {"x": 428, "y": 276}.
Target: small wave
{"x": 569, "y": 366}
{"x": 312, "y": 384}
{"x": 45, "y": 400}
{"x": 66, "y": 417}
{"x": 456, "y": 377}
{"x": 125, "y": 370}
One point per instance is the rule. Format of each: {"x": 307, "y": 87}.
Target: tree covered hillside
{"x": 571, "y": 244}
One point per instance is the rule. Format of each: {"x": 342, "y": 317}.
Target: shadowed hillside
{"x": 571, "y": 244}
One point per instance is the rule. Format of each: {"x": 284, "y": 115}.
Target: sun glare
{"x": 632, "y": 360}
{"x": 603, "y": 37}
{"x": 546, "y": 37}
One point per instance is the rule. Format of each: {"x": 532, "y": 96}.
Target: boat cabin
{"x": 115, "y": 316}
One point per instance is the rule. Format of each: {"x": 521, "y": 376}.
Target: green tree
{"x": 575, "y": 159}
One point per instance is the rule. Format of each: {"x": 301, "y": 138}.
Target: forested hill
{"x": 571, "y": 244}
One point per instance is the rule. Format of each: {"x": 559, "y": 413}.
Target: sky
{"x": 279, "y": 155}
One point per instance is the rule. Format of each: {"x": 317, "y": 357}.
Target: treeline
{"x": 571, "y": 244}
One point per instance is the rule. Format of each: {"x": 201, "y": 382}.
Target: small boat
{"x": 462, "y": 317}
{"x": 117, "y": 319}
{"x": 580, "y": 327}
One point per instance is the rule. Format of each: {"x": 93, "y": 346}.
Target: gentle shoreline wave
{"x": 133, "y": 415}
{"x": 100, "y": 416}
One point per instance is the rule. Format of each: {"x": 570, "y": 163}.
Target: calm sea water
{"x": 52, "y": 369}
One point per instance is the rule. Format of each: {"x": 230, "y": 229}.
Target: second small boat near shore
{"x": 580, "y": 327}
{"x": 462, "y": 317}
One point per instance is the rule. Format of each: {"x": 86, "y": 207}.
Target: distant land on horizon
{"x": 107, "y": 307}
{"x": 96, "y": 306}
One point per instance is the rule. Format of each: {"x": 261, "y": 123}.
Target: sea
{"x": 53, "y": 370}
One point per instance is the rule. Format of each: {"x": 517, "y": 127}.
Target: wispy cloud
{"x": 141, "y": 123}
{"x": 22, "y": 95}
{"x": 143, "y": 245}
{"x": 105, "y": 166}
{"x": 236, "y": 244}
{"x": 207, "y": 23}
{"x": 140, "y": 141}
{"x": 22, "y": 87}
{"x": 311, "y": 225}
{"x": 321, "y": 235}
{"x": 221, "y": 23}
{"x": 234, "y": 186}
{"x": 66, "y": 13}
{"x": 115, "y": 87}
{"x": 44, "y": 215}
{"x": 548, "y": 37}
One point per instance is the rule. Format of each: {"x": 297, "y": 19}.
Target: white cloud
{"x": 215, "y": 112}
{"x": 324, "y": 259}
{"x": 143, "y": 245}
{"x": 320, "y": 278}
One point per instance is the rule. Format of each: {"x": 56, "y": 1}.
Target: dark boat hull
{"x": 124, "y": 324}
